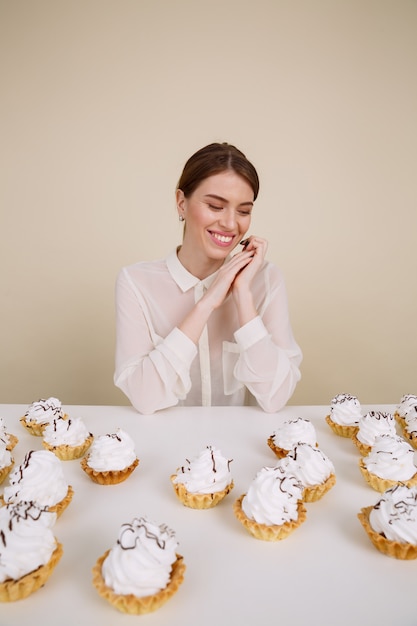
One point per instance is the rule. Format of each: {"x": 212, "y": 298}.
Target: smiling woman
{"x": 205, "y": 326}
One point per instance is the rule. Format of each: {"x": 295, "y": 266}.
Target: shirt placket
{"x": 204, "y": 354}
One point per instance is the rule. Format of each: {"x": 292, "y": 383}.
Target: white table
{"x": 326, "y": 573}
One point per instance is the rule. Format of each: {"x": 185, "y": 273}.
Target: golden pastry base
{"x": 132, "y": 604}
{"x": 110, "y": 477}
{"x": 382, "y": 484}
{"x": 269, "y": 532}
{"x": 404, "y": 551}
{"x": 12, "y": 590}
{"x": 199, "y": 500}
{"x": 69, "y": 453}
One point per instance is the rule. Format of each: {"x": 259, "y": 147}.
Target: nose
{"x": 228, "y": 219}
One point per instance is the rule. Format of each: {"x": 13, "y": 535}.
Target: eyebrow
{"x": 215, "y": 197}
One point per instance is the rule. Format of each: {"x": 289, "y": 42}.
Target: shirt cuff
{"x": 181, "y": 345}
{"x": 250, "y": 333}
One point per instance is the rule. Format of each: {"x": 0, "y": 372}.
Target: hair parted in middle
{"x": 214, "y": 159}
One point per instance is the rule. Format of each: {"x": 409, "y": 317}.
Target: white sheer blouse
{"x": 157, "y": 366}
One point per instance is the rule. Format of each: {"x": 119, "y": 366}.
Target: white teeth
{"x": 222, "y": 238}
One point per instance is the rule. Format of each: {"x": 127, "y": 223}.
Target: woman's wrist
{"x": 193, "y": 324}
{"x": 245, "y": 306}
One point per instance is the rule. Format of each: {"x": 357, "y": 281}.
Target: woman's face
{"x": 217, "y": 216}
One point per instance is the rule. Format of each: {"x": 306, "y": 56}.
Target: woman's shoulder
{"x": 145, "y": 267}
{"x": 144, "y": 273}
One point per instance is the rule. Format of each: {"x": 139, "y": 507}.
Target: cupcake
{"x": 204, "y": 481}
{"x": 391, "y": 461}
{"x": 28, "y": 550}
{"x": 314, "y": 470}
{"x": 6, "y": 461}
{"x": 392, "y": 523}
{"x": 9, "y": 439}
{"x": 67, "y": 438}
{"x": 142, "y": 570}
{"x": 370, "y": 426}
{"x": 111, "y": 458}
{"x": 291, "y": 432}
{"x": 40, "y": 479}
{"x": 272, "y": 508}
{"x": 407, "y": 403}
{"x": 40, "y": 413}
{"x": 345, "y": 413}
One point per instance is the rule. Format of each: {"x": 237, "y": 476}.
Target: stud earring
{"x": 180, "y": 217}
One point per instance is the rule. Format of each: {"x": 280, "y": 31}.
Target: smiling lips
{"x": 222, "y": 240}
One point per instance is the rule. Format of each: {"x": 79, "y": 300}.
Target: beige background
{"x": 102, "y": 102}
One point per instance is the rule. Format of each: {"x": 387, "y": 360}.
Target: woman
{"x": 203, "y": 326}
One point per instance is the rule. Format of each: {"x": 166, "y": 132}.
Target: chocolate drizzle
{"x": 22, "y": 511}
{"x": 24, "y": 465}
{"x": 114, "y": 436}
{"x": 44, "y": 406}
{"x": 344, "y": 397}
{"x": 130, "y": 534}
{"x": 212, "y": 458}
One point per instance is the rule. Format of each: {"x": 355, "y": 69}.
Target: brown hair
{"x": 213, "y": 159}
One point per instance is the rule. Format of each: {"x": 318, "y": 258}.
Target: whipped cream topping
{"x": 208, "y": 472}
{"x": 40, "y": 478}
{"x": 391, "y": 457}
{"x": 112, "y": 452}
{"x": 26, "y": 539}
{"x": 71, "y": 432}
{"x": 407, "y": 402}
{"x": 5, "y": 456}
{"x": 411, "y": 424}
{"x": 395, "y": 515}
{"x": 373, "y": 424}
{"x": 291, "y": 432}
{"x": 43, "y": 411}
{"x": 345, "y": 410}
{"x": 309, "y": 464}
{"x": 411, "y": 415}
{"x": 272, "y": 497}
{"x": 4, "y": 435}
{"x": 140, "y": 563}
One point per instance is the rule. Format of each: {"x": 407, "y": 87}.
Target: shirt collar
{"x": 184, "y": 279}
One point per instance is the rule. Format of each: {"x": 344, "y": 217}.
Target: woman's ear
{"x": 180, "y": 200}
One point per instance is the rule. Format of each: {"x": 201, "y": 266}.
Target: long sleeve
{"x": 269, "y": 358}
{"x": 153, "y": 371}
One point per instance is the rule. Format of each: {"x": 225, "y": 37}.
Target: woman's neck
{"x": 198, "y": 267}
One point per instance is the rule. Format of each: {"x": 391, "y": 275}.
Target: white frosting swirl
{"x": 4, "y": 435}
{"x": 209, "y": 472}
{"x": 26, "y": 539}
{"x": 345, "y": 410}
{"x": 411, "y": 415}
{"x": 411, "y": 426}
{"x": 71, "y": 432}
{"x": 273, "y": 495}
{"x": 310, "y": 465}
{"x": 43, "y": 411}
{"x": 5, "y": 456}
{"x": 373, "y": 424}
{"x": 112, "y": 452}
{"x": 395, "y": 515}
{"x": 291, "y": 432}
{"x": 391, "y": 458}
{"x": 40, "y": 478}
{"x": 140, "y": 563}
{"x": 407, "y": 402}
